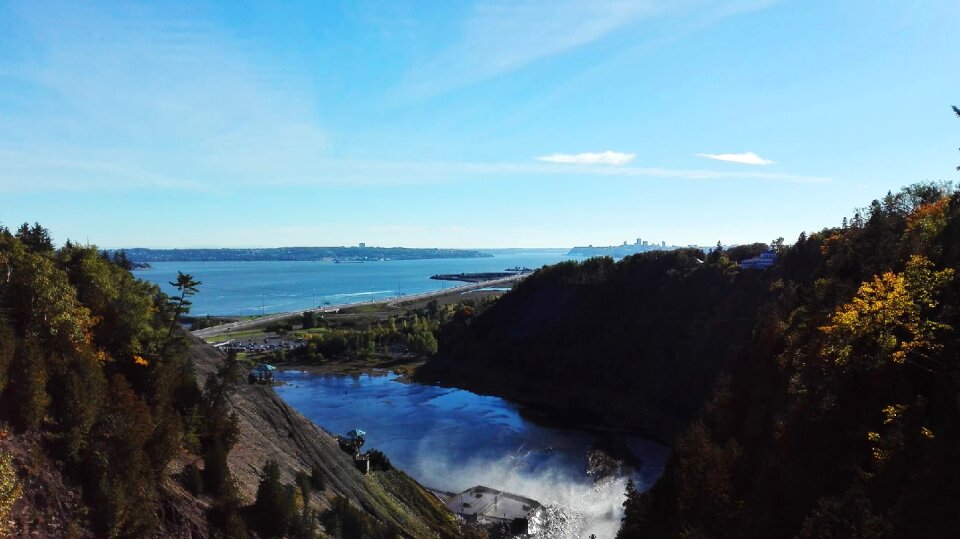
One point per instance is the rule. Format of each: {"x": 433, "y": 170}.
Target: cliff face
{"x": 269, "y": 429}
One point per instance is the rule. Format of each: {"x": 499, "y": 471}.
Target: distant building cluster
{"x": 764, "y": 261}
{"x": 619, "y": 251}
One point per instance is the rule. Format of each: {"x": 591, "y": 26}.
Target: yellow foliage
{"x": 892, "y": 412}
{"x": 140, "y": 361}
{"x": 873, "y": 436}
{"x": 926, "y": 433}
{"x": 55, "y": 311}
{"x": 889, "y": 313}
{"x": 10, "y": 489}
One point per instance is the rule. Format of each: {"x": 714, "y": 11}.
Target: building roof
{"x": 481, "y": 501}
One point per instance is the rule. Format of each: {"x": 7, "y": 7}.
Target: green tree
{"x": 27, "y": 395}
{"x": 957, "y": 112}
{"x": 8, "y": 345}
{"x": 120, "y": 259}
{"x": 273, "y": 509}
{"x": 181, "y": 305}
{"x": 309, "y": 319}
{"x": 35, "y": 238}
{"x": 422, "y": 341}
{"x": 117, "y": 465}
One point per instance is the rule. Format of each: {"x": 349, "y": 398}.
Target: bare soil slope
{"x": 270, "y": 429}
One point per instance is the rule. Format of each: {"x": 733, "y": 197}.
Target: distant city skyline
{"x": 526, "y": 123}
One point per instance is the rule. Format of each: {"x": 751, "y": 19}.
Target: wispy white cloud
{"x": 137, "y": 97}
{"x": 47, "y": 174}
{"x": 602, "y": 158}
{"x": 745, "y": 158}
{"x": 504, "y": 35}
{"x": 67, "y": 170}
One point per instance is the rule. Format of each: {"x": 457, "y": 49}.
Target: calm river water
{"x": 248, "y": 288}
{"x": 452, "y": 439}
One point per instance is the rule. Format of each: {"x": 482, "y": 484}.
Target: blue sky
{"x": 458, "y": 124}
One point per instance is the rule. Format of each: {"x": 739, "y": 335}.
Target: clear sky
{"x": 468, "y": 124}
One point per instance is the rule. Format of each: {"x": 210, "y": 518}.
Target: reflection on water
{"x": 451, "y": 439}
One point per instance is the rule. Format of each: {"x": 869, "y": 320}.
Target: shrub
{"x": 379, "y": 461}
{"x": 10, "y": 489}
{"x": 193, "y": 479}
{"x": 316, "y": 479}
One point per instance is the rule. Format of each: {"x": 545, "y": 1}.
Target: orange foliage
{"x": 891, "y": 314}
{"x": 829, "y": 242}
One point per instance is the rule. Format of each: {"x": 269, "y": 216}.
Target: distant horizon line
{"x": 593, "y": 246}
{"x": 328, "y": 247}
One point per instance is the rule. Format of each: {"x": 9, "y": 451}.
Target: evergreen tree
{"x": 181, "y": 305}
{"x": 35, "y": 238}
{"x": 273, "y": 509}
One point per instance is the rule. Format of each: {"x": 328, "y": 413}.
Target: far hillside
{"x": 819, "y": 397}
{"x": 635, "y": 343}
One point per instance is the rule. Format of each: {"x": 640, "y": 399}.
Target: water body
{"x": 452, "y": 439}
{"x": 249, "y": 288}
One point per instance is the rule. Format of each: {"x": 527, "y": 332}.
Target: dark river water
{"x": 452, "y": 439}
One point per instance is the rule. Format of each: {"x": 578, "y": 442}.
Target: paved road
{"x": 255, "y": 322}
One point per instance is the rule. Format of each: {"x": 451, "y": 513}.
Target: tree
{"x": 36, "y": 238}
{"x": 120, "y": 259}
{"x": 123, "y": 483}
{"x": 632, "y": 513}
{"x": 888, "y": 319}
{"x": 187, "y": 287}
{"x": 957, "y": 112}
{"x": 273, "y": 510}
{"x": 422, "y": 341}
{"x": 309, "y": 319}
{"x": 777, "y": 245}
{"x": 27, "y": 394}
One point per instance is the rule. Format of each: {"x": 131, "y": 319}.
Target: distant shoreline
{"x": 252, "y": 323}
{"x": 354, "y": 254}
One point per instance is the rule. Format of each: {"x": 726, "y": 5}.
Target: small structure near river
{"x": 486, "y": 505}
{"x": 351, "y": 443}
{"x": 261, "y": 374}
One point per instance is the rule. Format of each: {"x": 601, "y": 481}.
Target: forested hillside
{"x": 633, "y": 344}
{"x": 91, "y": 364}
{"x": 817, "y": 398}
{"x": 840, "y": 417}
{"x": 115, "y": 423}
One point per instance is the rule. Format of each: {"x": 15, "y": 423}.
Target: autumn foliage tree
{"x": 90, "y": 358}
{"x": 842, "y": 412}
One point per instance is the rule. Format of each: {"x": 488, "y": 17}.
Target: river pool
{"x": 451, "y": 439}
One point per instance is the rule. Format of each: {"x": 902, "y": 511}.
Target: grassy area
{"x": 377, "y": 308}
{"x": 239, "y": 335}
{"x": 401, "y": 497}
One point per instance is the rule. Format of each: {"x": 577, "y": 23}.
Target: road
{"x": 252, "y": 323}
